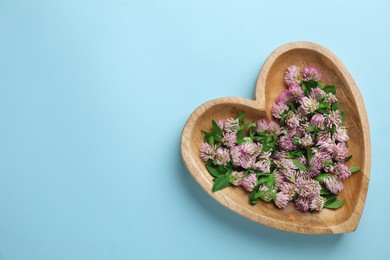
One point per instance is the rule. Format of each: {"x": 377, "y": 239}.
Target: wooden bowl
{"x": 268, "y": 86}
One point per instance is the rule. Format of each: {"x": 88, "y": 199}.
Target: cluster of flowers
{"x": 301, "y": 157}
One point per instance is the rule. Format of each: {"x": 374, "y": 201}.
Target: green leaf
{"x": 322, "y": 111}
{"x": 322, "y": 177}
{"x": 305, "y": 89}
{"x": 355, "y": 169}
{"x": 217, "y": 130}
{"x": 335, "y": 106}
{"x": 211, "y": 140}
{"x": 330, "y": 89}
{"x": 325, "y": 191}
{"x": 348, "y": 158}
{"x": 311, "y": 84}
{"x": 334, "y": 204}
{"x": 311, "y": 128}
{"x": 248, "y": 125}
{"x": 212, "y": 170}
{"x": 324, "y": 104}
{"x": 328, "y": 163}
{"x": 295, "y": 140}
{"x": 221, "y": 182}
{"x": 309, "y": 155}
{"x": 299, "y": 165}
{"x": 241, "y": 117}
{"x": 248, "y": 139}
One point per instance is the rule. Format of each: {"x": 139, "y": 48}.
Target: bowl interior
{"x": 274, "y": 84}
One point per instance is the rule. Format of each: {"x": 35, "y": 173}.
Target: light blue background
{"x": 93, "y": 98}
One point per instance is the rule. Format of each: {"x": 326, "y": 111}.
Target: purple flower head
{"x": 285, "y": 142}
{"x": 292, "y": 120}
{"x": 325, "y": 143}
{"x": 318, "y": 121}
{"x": 207, "y": 152}
{"x": 237, "y": 178}
{"x": 341, "y": 171}
{"x": 263, "y": 166}
{"x": 308, "y": 188}
{"x": 288, "y": 188}
{"x": 293, "y": 76}
{"x": 330, "y": 98}
{"x": 333, "y": 119}
{"x": 318, "y": 94}
{"x": 333, "y": 184}
{"x": 317, "y": 163}
{"x": 311, "y": 73}
{"x": 308, "y": 105}
{"x": 284, "y": 97}
{"x": 341, "y": 134}
{"x": 317, "y": 203}
{"x": 278, "y": 109}
{"x": 296, "y": 91}
{"x": 282, "y": 199}
{"x": 340, "y": 152}
{"x": 235, "y": 153}
{"x": 279, "y": 178}
{"x": 222, "y": 156}
{"x": 279, "y": 155}
{"x": 306, "y": 141}
{"x": 249, "y": 182}
{"x": 229, "y": 139}
{"x": 247, "y": 161}
{"x": 231, "y": 125}
{"x": 287, "y": 167}
{"x": 302, "y": 204}
{"x": 261, "y": 126}
{"x": 273, "y": 128}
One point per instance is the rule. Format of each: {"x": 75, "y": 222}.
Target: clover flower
{"x": 296, "y": 92}
{"x": 333, "y": 184}
{"x": 261, "y": 126}
{"x": 222, "y": 156}
{"x": 330, "y": 98}
{"x": 281, "y": 199}
{"x": 309, "y": 105}
{"x": 249, "y": 182}
{"x": 318, "y": 94}
{"x": 207, "y": 152}
{"x": 292, "y": 120}
{"x": 293, "y": 76}
{"x": 237, "y": 178}
{"x": 341, "y": 171}
{"x": 333, "y": 119}
{"x": 284, "y": 97}
{"x": 231, "y": 125}
{"x": 273, "y": 128}
{"x": 229, "y": 139}
{"x": 341, "y": 135}
{"x": 285, "y": 142}
{"x": 311, "y": 73}
{"x": 302, "y": 203}
{"x": 340, "y": 152}
{"x": 278, "y": 109}
{"x": 263, "y": 166}
{"x": 318, "y": 121}
{"x": 317, "y": 203}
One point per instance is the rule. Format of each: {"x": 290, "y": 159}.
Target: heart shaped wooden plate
{"x": 269, "y": 84}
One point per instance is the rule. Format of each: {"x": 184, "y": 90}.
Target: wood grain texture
{"x": 268, "y": 86}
